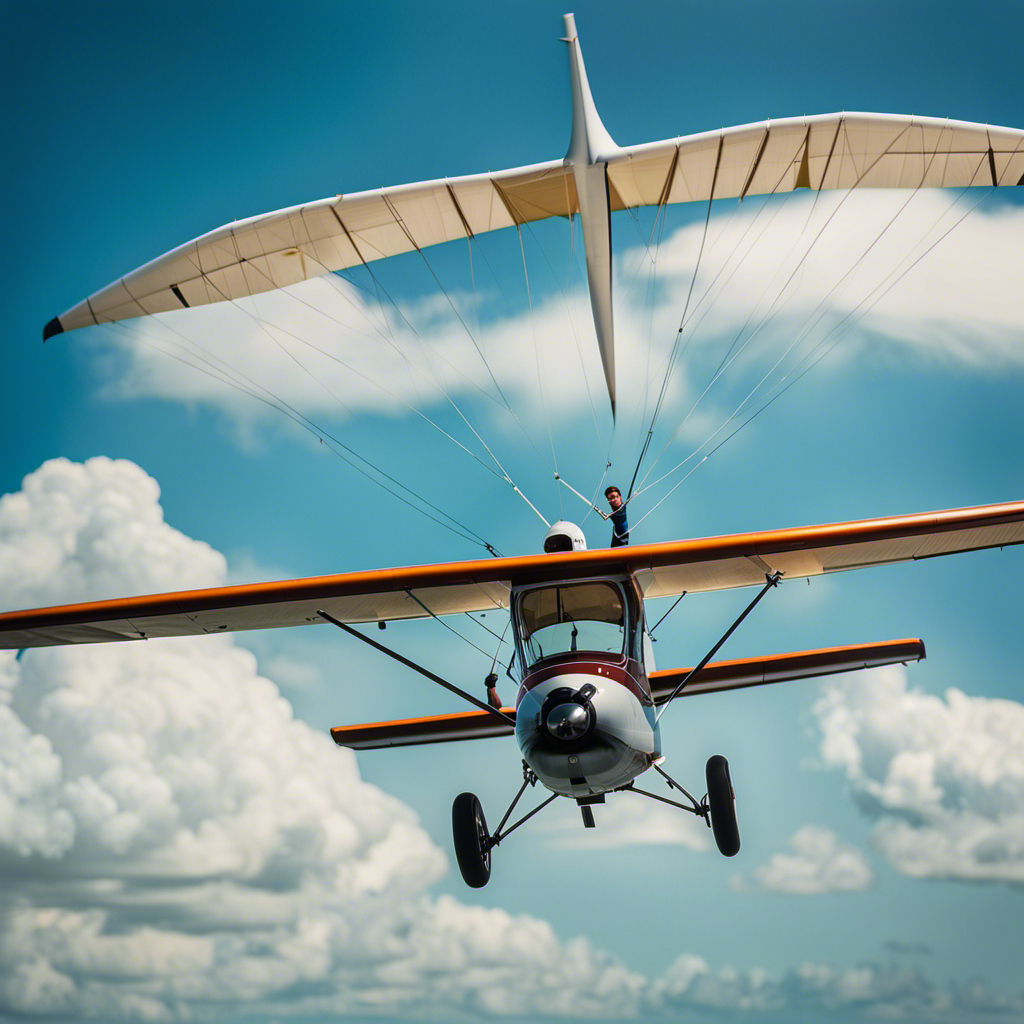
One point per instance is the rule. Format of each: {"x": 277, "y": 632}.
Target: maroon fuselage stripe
{"x": 624, "y": 671}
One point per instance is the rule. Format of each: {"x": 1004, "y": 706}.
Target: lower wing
{"x": 718, "y": 675}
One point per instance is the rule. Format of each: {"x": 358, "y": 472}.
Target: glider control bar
{"x": 772, "y": 580}
{"x": 417, "y": 668}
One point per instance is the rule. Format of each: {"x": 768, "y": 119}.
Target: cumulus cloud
{"x": 943, "y": 776}
{"x": 628, "y": 820}
{"x": 172, "y": 839}
{"x": 818, "y": 861}
{"x": 175, "y": 845}
{"x": 809, "y": 265}
{"x": 93, "y": 530}
{"x": 893, "y": 992}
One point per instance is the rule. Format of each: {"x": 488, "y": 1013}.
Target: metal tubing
{"x": 496, "y": 838}
{"x": 675, "y": 785}
{"x": 417, "y": 668}
{"x": 773, "y": 581}
{"x": 695, "y": 809}
{"x": 511, "y": 806}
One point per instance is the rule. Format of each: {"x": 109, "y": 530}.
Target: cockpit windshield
{"x": 572, "y": 617}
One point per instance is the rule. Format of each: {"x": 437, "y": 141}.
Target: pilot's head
{"x": 564, "y": 536}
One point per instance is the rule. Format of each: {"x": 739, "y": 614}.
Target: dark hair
{"x": 608, "y": 490}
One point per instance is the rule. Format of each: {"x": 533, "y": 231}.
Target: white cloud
{"x": 944, "y": 777}
{"x": 174, "y": 844}
{"x": 629, "y": 820}
{"x": 331, "y": 351}
{"x": 171, "y": 838}
{"x": 818, "y": 861}
{"x": 889, "y": 992}
{"x": 93, "y": 530}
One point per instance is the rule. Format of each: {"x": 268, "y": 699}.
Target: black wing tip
{"x": 52, "y": 328}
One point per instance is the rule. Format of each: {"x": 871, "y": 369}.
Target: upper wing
{"x": 714, "y": 563}
{"x": 287, "y": 246}
{"x": 851, "y": 150}
{"x": 848, "y": 150}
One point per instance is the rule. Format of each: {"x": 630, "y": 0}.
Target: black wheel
{"x": 722, "y": 804}
{"x": 469, "y": 831}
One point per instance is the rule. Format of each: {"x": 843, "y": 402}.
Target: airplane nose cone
{"x": 567, "y": 721}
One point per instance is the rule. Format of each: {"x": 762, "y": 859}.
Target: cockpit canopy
{"x": 567, "y": 617}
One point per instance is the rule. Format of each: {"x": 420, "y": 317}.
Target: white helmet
{"x": 564, "y": 536}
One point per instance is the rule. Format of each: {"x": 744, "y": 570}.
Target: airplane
{"x": 587, "y": 712}
{"x": 589, "y": 702}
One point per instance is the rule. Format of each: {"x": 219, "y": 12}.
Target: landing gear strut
{"x": 718, "y": 808}
{"x": 473, "y": 843}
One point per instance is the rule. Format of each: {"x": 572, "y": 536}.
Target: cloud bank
{"x": 867, "y": 990}
{"x": 175, "y": 845}
{"x": 174, "y": 842}
{"x": 921, "y": 275}
{"x": 942, "y": 776}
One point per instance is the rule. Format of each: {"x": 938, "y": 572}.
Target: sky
{"x": 178, "y": 836}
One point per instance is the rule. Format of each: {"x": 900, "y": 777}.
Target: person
{"x": 491, "y": 682}
{"x": 620, "y": 525}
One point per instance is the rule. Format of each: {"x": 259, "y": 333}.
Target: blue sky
{"x": 133, "y": 130}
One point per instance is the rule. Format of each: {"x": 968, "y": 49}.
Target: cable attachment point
{"x": 774, "y": 577}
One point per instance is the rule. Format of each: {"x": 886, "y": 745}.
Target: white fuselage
{"x": 619, "y": 737}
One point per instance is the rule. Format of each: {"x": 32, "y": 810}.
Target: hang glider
{"x": 596, "y": 178}
{"x": 714, "y": 677}
{"x": 714, "y": 563}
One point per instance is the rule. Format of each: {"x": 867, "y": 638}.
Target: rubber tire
{"x": 722, "y": 804}
{"x": 470, "y": 835}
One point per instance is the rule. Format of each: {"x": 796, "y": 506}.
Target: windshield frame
{"x": 529, "y": 657}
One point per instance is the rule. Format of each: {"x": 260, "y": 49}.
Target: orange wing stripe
{"x": 704, "y": 564}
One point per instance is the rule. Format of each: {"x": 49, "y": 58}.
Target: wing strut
{"x": 419, "y": 668}
{"x": 771, "y": 580}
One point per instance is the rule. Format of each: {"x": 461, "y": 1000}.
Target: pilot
{"x": 491, "y": 682}
{"x": 620, "y": 525}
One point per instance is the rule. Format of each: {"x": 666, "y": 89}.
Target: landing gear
{"x": 722, "y": 806}
{"x": 472, "y": 841}
{"x": 718, "y": 808}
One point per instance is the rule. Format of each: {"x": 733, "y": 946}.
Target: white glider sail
{"x": 829, "y": 151}
{"x": 694, "y": 566}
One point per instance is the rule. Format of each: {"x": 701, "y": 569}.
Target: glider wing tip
{"x": 52, "y": 328}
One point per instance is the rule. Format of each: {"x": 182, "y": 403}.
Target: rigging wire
{"x": 536, "y": 357}
{"x": 806, "y": 328}
{"x": 504, "y": 474}
{"x": 766, "y": 318}
{"x": 840, "y": 335}
{"x": 675, "y": 343}
{"x": 772, "y": 311}
{"x": 325, "y": 437}
{"x": 448, "y": 626}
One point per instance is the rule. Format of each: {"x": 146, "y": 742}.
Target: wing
{"x": 719, "y": 675}
{"x": 850, "y": 150}
{"x": 715, "y": 563}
